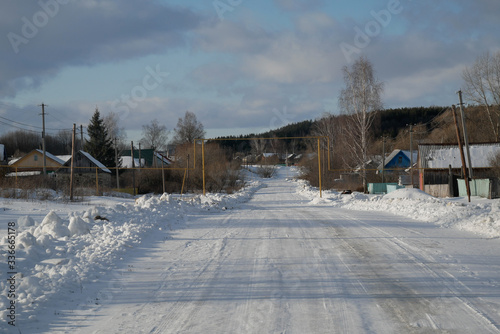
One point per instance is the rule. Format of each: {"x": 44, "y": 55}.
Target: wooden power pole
{"x": 43, "y": 140}
{"x": 460, "y": 147}
{"x": 117, "y": 165}
{"x": 133, "y": 166}
{"x": 71, "y": 180}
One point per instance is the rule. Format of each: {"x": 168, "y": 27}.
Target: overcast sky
{"x": 241, "y": 66}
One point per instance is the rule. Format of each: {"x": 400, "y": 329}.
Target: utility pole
{"x": 162, "y": 172}
{"x": 383, "y": 159}
{"x": 466, "y": 139}
{"x": 43, "y": 140}
{"x": 116, "y": 163}
{"x": 133, "y": 166}
{"x": 464, "y": 170}
{"x": 140, "y": 159}
{"x": 71, "y": 181}
{"x": 81, "y": 137}
{"x": 411, "y": 154}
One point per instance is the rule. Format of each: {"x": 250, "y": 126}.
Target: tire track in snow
{"x": 419, "y": 259}
{"x": 183, "y": 310}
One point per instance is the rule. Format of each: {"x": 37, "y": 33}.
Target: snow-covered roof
{"x": 95, "y": 162}
{"x": 51, "y": 156}
{"x": 441, "y": 156}
{"x": 64, "y": 158}
{"x": 13, "y": 161}
{"x": 127, "y": 161}
{"x": 396, "y": 152}
{"x": 161, "y": 157}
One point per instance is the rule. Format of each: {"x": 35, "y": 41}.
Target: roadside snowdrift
{"x": 481, "y": 216}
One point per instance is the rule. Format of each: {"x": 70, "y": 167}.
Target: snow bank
{"x": 408, "y": 193}
{"x": 59, "y": 254}
{"x": 480, "y": 216}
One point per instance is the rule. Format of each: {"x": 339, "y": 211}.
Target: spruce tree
{"x": 99, "y": 145}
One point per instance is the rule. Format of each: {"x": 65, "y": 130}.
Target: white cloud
{"x": 44, "y": 40}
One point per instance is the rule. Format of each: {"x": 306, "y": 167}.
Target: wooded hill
{"x": 390, "y": 123}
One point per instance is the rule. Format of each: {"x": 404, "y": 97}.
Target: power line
{"x": 29, "y": 125}
{"x": 24, "y": 124}
{"x": 8, "y": 107}
{"x": 18, "y": 127}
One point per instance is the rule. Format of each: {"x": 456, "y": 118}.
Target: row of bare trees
{"x": 155, "y": 135}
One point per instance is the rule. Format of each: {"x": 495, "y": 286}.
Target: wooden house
{"x": 440, "y": 166}
{"x": 398, "y": 160}
{"x": 33, "y": 161}
{"x": 148, "y": 157}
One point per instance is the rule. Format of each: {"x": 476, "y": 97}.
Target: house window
{"x": 35, "y": 157}
{"x": 400, "y": 160}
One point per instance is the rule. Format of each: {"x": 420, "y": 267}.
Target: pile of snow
{"x": 480, "y": 216}
{"x": 409, "y": 193}
{"x": 57, "y": 255}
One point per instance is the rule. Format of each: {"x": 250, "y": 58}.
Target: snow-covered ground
{"x": 480, "y": 216}
{"x": 273, "y": 257}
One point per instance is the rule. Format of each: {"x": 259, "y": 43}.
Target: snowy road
{"x": 279, "y": 264}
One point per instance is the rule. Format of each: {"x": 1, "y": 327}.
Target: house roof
{"x": 51, "y": 156}
{"x": 47, "y": 155}
{"x": 441, "y": 156}
{"x": 163, "y": 158}
{"x": 148, "y": 156}
{"x": 396, "y": 152}
{"x": 126, "y": 162}
{"x": 64, "y": 158}
{"x": 93, "y": 160}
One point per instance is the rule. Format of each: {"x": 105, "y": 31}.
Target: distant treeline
{"x": 20, "y": 142}
{"x": 388, "y": 123}
{"x": 391, "y": 121}
{"x": 242, "y": 143}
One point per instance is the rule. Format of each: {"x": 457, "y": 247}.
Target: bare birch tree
{"x": 482, "y": 86}
{"x": 360, "y": 100}
{"x": 188, "y": 129}
{"x": 154, "y": 135}
{"x": 115, "y": 131}
{"x": 258, "y": 146}
{"x": 325, "y": 127}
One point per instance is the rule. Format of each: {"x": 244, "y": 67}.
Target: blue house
{"x": 398, "y": 159}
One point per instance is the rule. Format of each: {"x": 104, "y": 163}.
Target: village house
{"x": 440, "y": 169}
{"x": 148, "y": 158}
{"x": 33, "y": 161}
